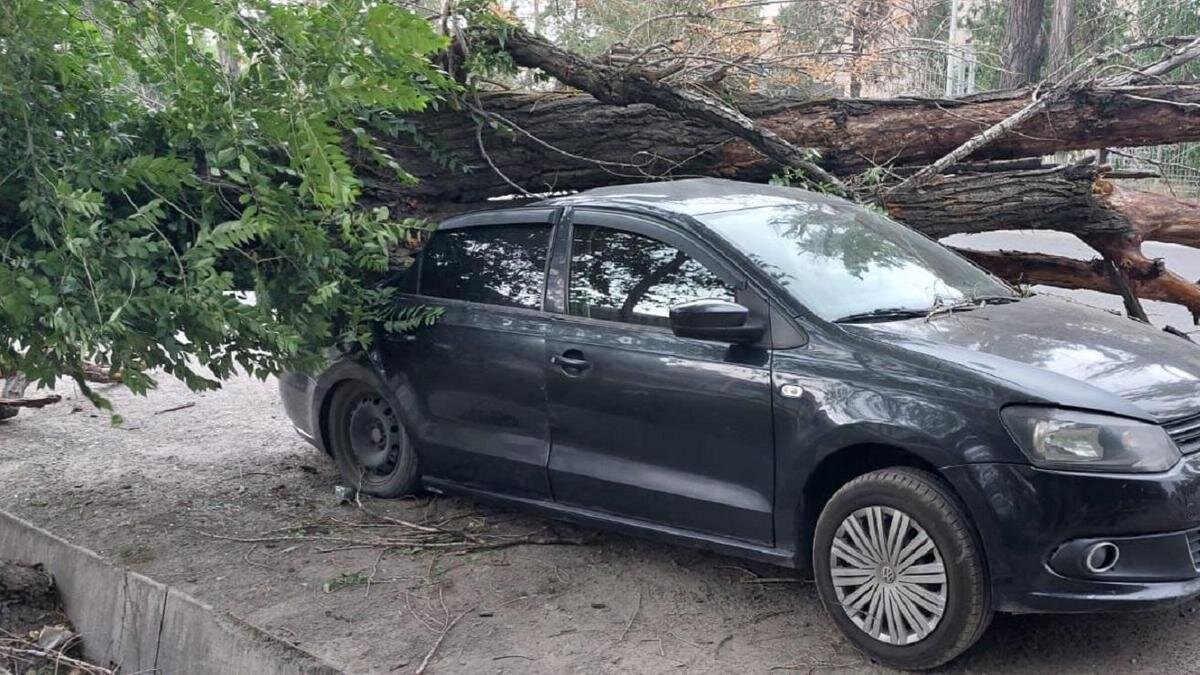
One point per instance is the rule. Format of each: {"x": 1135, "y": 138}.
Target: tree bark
{"x": 1151, "y": 283}
{"x": 632, "y": 83}
{"x": 1021, "y": 53}
{"x": 1046, "y": 198}
{"x": 1062, "y": 34}
{"x": 1112, "y": 219}
{"x": 640, "y": 142}
{"x": 1079, "y": 199}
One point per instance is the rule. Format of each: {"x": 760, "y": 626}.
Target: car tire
{"x": 900, "y": 570}
{"x": 369, "y": 442}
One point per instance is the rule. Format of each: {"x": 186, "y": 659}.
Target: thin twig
{"x": 185, "y": 406}
{"x": 375, "y": 570}
{"x": 632, "y": 617}
{"x": 438, "y": 643}
{"x": 30, "y": 651}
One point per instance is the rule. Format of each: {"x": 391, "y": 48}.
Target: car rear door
{"x": 644, "y": 424}
{"x": 473, "y": 383}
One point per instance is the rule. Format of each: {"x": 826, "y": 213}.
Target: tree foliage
{"x": 160, "y": 157}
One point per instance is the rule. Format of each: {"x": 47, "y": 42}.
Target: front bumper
{"x": 1033, "y": 524}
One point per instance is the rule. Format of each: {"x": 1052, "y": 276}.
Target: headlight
{"x": 1079, "y": 441}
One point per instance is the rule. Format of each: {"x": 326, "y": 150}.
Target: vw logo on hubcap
{"x": 887, "y": 575}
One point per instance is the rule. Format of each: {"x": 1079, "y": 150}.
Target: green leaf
{"x": 181, "y": 154}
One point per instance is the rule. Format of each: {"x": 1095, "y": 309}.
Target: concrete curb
{"x": 140, "y": 625}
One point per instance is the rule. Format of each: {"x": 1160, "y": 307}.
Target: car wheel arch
{"x": 839, "y": 467}
{"x": 338, "y": 375}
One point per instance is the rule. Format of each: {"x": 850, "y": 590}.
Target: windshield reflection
{"x": 843, "y": 260}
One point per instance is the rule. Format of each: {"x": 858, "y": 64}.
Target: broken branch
{"x": 31, "y": 402}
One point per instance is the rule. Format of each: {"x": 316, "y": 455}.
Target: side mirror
{"x": 717, "y": 320}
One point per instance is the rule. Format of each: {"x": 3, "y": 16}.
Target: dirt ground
{"x": 35, "y": 634}
{"x": 153, "y": 494}
{"x": 28, "y": 600}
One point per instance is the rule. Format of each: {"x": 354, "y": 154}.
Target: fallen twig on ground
{"x": 441, "y": 637}
{"x": 185, "y": 406}
{"x": 815, "y": 667}
{"x": 343, "y": 535}
{"x": 632, "y": 617}
{"x": 375, "y": 570}
{"x": 24, "y": 651}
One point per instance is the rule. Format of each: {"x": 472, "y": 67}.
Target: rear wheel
{"x": 369, "y": 442}
{"x": 899, "y": 569}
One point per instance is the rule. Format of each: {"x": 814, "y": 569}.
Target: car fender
{"x": 348, "y": 367}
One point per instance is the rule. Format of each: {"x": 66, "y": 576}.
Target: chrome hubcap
{"x": 888, "y": 575}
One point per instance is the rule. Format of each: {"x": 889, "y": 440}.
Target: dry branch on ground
{"x": 392, "y": 533}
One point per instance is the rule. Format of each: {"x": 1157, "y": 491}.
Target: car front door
{"x": 644, "y": 424}
{"x": 473, "y": 383}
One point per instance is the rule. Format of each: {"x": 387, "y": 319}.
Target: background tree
{"x": 1062, "y": 35}
{"x": 1021, "y": 51}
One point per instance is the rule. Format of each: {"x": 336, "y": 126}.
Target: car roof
{"x": 694, "y": 196}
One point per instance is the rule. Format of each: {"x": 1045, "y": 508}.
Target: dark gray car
{"x": 787, "y": 377}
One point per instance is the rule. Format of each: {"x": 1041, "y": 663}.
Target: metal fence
{"x": 1178, "y": 166}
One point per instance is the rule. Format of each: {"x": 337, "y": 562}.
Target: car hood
{"x": 1061, "y": 352}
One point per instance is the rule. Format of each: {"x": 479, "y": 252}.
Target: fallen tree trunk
{"x": 1112, "y": 219}
{"x": 1079, "y": 199}
{"x": 1062, "y": 198}
{"x": 637, "y": 128}
{"x": 553, "y": 141}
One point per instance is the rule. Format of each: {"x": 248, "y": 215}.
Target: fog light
{"x": 1101, "y": 557}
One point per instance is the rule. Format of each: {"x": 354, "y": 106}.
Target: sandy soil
{"x": 151, "y": 494}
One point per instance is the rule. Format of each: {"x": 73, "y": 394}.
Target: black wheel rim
{"x": 374, "y": 435}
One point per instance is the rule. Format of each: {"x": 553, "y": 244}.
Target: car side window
{"x": 632, "y": 278}
{"x": 493, "y": 264}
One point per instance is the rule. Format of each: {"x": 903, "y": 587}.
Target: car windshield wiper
{"x": 900, "y": 313}
{"x": 967, "y": 304}
{"x": 883, "y": 314}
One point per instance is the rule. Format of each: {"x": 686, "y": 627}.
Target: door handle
{"x": 571, "y": 363}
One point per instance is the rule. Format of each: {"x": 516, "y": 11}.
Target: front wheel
{"x": 369, "y": 442}
{"x": 899, "y": 569}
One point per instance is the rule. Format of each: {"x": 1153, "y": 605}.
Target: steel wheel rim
{"x": 375, "y": 436}
{"x": 888, "y": 575}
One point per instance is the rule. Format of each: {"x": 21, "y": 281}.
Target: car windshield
{"x": 843, "y": 261}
